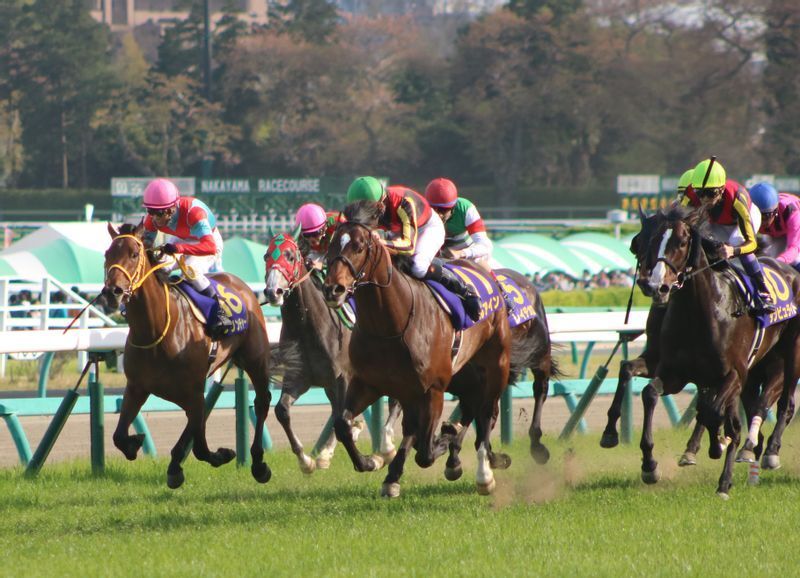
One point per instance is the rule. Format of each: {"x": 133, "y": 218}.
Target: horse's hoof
{"x": 261, "y": 472}
{"x": 540, "y": 454}
{"x": 771, "y": 462}
{"x": 452, "y": 474}
{"x": 323, "y": 463}
{"x": 484, "y": 489}
{"x": 651, "y": 477}
{"x": 609, "y": 439}
{"x": 746, "y": 456}
{"x": 450, "y": 429}
{"x": 175, "y": 481}
{"x": 374, "y": 463}
{"x": 500, "y": 461}
{"x": 715, "y": 451}
{"x": 307, "y": 465}
{"x": 223, "y": 456}
{"x": 390, "y": 490}
{"x": 724, "y": 496}
{"x": 389, "y": 455}
{"x": 687, "y": 459}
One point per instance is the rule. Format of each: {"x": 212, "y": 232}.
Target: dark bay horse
{"x": 401, "y": 347}
{"x": 319, "y": 332}
{"x": 705, "y": 339}
{"x": 167, "y": 353}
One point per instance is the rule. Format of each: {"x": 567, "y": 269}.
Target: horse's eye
{"x": 136, "y": 255}
{"x": 290, "y": 257}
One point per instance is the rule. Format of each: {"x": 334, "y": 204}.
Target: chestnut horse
{"x": 167, "y": 353}
{"x": 401, "y": 347}
{"x": 704, "y": 338}
{"x": 323, "y": 339}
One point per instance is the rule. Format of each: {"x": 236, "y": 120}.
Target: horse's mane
{"x": 365, "y": 213}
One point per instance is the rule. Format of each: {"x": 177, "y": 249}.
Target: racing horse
{"x": 320, "y": 332}
{"x": 167, "y": 352}
{"x": 705, "y": 337}
{"x": 401, "y": 347}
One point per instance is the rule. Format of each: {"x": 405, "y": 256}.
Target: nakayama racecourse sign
{"x": 134, "y": 187}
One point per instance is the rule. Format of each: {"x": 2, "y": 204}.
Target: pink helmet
{"x": 441, "y": 193}
{"x": 311, "y": 218}
{"x": 160, "y": 194}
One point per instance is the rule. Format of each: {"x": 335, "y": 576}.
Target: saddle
{"x": 779, "y": 289}
{"x": 204, "y": 308}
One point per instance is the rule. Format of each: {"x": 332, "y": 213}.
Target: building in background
{"x": 124, "y": 15}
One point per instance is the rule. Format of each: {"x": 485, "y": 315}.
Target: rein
{"x": 687, "y": 273}
{"x": 137, "y": 279}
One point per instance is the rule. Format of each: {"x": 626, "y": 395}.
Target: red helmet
{"x": 441, "y": 193}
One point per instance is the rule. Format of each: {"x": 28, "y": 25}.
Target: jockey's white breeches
{"x": 430, "y": 238}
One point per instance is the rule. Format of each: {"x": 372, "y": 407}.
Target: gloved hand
{"x": 169, "y": 249}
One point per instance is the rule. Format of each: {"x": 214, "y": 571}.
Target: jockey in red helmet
{"x": 465, "y": 233}
{"x": 189, "y": 221}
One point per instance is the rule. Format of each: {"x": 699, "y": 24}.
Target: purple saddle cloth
{"x": 491, "y": 299}
{"x": 781, "y": 292}
{"x": 231, "y": 300}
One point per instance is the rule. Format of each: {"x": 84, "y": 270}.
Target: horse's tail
{"x": 530, "y": 352}
{"x": 285, "y": 358}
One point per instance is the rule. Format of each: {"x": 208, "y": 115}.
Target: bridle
{"x": 358, "y": 275}
{"x": 687, "y": 270}
{"x": 137, "y": 279}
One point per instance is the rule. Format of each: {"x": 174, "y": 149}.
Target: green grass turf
{"x": 584, "y": 514}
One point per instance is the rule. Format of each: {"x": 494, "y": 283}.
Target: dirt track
{"x": 165, "y": 427}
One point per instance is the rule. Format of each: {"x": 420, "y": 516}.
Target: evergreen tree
{"x": 314, "y": 21}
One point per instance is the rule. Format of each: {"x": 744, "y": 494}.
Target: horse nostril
{"x": 118, "y": 291}
{"x": 664, "y": 289}
{"x": 338, "y": 290}
{"x": 278, "y": 292}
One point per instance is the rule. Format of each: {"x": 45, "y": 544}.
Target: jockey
{"x": 685, "y": 182}
{"x": 780, "y": 217}
{"x": 465, "y": 233}
{"x": 190, "y": 221}
{"x": 734, "y": 221}
{"x": 316, "y": 230}
{"x": 414, "y": 229}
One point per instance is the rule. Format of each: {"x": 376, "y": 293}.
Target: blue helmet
{"x": 765, "y": 196}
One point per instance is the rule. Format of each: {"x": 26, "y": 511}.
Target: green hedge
{"x": 610, "y": 297}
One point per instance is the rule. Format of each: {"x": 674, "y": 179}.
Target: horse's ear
{"x": 139, "y": 230}
{"x": 642, "y": 215}
{"x": 113, "y": 231}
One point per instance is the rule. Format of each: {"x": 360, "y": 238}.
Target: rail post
{"x": 241, "y": 387}
{"x": 96, "y": 416}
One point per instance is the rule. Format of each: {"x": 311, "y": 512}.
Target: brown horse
{"x": 167, "y": 353}
{"x": 322, "y": 336}
{"x": 401, "y": 347}
{"x": 705, "y": 339}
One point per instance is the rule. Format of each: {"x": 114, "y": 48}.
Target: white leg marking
{"x": 755, "y": 426}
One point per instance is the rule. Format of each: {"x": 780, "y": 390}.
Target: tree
{"x": 782, "y": 81}
{"x": 313, "y": 21}
{"x": 64, "y": 77}
{"x": 10, "y": 128}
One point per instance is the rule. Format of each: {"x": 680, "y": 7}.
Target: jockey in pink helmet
{"x": 316, "y": 230}
{"x": 192, "y": 227}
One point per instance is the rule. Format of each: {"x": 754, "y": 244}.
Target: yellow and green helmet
{"x": 685, "y": 180}
{"x": 365, "y": 189}
{"x": 716, "y": 176}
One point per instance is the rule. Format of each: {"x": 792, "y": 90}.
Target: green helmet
{"x": 365, "y": 189}
{"x": 716, "y": 177}
{"x": 685, "y": 180}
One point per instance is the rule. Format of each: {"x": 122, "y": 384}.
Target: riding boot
{"x": 222, "y": 323}
{"x": 762, "y": 300}
{"x": 472, "y": 303}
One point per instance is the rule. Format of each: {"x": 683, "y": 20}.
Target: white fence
{"x": 564, "y": 328}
